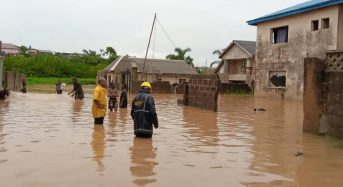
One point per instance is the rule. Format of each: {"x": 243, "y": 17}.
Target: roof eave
{"x": 294, "y": 12}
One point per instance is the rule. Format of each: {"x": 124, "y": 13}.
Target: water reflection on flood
{"x": 50, "y": 140}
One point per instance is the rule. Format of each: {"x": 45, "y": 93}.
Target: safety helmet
{"x": 146, "y": 84}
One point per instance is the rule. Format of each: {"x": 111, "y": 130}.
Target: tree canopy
{"x": 180, "y": 54}
{"x": 83, "y": 65}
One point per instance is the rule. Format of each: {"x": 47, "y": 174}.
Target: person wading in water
{"x": 112, "y": 94}
{"x": 59, "y": 89}
{"x": 123, "y": 98}
{"x": 143, "y": 112}
{"x": 99, "y": 102}
{"x": 77, "y": 90}
{"x": 23, "y": 86}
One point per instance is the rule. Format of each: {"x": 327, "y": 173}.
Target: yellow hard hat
{"x": 146, "y": 84}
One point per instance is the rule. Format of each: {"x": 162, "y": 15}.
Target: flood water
{"x": 50, "y": 140}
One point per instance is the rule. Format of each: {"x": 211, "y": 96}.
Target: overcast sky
{"x": 73, "y": 25}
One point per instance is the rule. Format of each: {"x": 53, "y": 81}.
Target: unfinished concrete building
{"x": 285, "y": 38}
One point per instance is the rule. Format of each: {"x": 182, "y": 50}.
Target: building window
{"x": 315, "y": 25}
{"x": 280, "y": 35}
{"x": 325, "y": 23}
{"x": 277, "y": 79}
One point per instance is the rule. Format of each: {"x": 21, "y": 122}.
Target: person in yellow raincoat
{"x": 99, "y": 102}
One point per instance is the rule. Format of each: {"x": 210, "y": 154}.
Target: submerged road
{"x": 50, "y": 140}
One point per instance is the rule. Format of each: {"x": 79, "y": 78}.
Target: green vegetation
{"x": 338, "y": 143}
{"x": 181, "y": 55}
{"x": 47, "y": 68}
{"x": 53, "y": 80}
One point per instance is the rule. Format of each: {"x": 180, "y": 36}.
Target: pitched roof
{"x": 8, "y": 46}
{"x": 152, "y": 66}
{"x": 297, "y": 9}
{"x": 247, "y": 46}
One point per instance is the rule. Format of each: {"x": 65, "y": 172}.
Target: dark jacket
{"x": 78, "y": 90}
{"x": 144, "y": 114}
{"x": 123, "y": 100}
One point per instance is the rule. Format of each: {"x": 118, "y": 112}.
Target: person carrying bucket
{"x": 143, "y": 112}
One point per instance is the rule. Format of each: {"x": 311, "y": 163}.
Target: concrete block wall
{"x": 313, "y": 97}
{"x": 158, "y": 87}
{"x": 334, "y": 103}
{"x": 323, "y": 95}
{"x": 13, "y": 80}
{"x": 202, "y": 91}
{"x": 234, "y": 88}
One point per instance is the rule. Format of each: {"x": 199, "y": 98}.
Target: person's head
{"x": 74, "y": 80}
{"x": 124, "y": 87}
{"x": 146, "y": 86}
{"x": 102, "y": 82}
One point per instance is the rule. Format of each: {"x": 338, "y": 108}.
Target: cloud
{"x": 73, "y": 25}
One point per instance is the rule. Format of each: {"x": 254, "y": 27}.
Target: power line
{"x": 154, "y": 43}
{"x": 165, "y": 32}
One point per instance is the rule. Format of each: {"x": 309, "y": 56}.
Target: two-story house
{"x": 286, "y": 37}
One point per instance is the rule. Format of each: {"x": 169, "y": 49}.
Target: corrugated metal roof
{"x": 297, "y": 9}
{"x": 153, "y": 66}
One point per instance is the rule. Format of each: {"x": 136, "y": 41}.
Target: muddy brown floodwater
{"x": 50, "y": 140}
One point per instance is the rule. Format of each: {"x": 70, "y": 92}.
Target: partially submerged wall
{"x": 159, "y": 87}
{"x": 323, "y": 98}
{"x": 313, "y": 100}
{"x": 227, "y": 88}
{"x": 12, "y": 80}
{"x": 202, "y": 91}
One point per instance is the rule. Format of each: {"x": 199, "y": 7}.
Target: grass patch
{"x": 53, "y": 80}
{"x": 337, "y": 143}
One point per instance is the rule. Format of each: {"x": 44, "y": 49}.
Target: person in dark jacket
{"x": 123, "y": 98}
{"x": 77, "y": 91}
{"x": 143, "y": 112}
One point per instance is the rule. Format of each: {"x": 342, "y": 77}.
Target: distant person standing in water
{"x": 99, "y": 102}
{"x": 59, "y": 89}
{"x": 23, "y": 86}
{"x": 143, "y": 112}
{"x": 123, "y": 98}
{"x": 77, "y": 91}
{"x": 112, "y": 94}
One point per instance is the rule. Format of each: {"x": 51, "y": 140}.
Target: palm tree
{"x": 219, "y": 53}
{"x": 180, "y": 54}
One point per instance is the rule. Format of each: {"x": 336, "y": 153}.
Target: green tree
{"x": 111, "y": 53}
{"x": 218, "y": 52}
{"x": 180, "y": 54}
{"x": 23, "y": 50}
